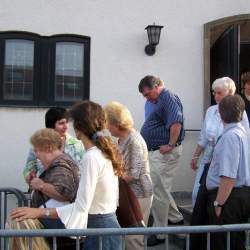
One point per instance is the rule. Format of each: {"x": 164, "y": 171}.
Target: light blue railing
{"x": 100, "y": 232}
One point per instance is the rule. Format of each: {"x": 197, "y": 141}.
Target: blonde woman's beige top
{"x": 135, "y": 155}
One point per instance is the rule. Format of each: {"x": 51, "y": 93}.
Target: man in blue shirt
{"x": 163, "y": 132}
{"x": 228, "y": 179}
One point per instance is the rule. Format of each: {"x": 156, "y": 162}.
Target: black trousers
{"x": 236, "y": 210}
{"x": 200, "y": 214}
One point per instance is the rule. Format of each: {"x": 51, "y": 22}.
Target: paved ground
{"x": 183, "y": 200}
{"x": 175, "y": 243}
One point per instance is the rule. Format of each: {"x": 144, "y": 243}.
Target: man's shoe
{"x": 153, "y": 241}
{"x": 178, "y": 223}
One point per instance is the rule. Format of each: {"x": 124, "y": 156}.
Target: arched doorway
{"x": 226, "y": 51}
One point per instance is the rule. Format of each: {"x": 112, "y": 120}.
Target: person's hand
{"x": 30, "y": 176}
{"x": 37, "y": 184}
{"x": 194, "y": 164}
{"x": 22, "y": 213}
{"x": 127, "y": 178}
{"x": 218, "y": 211}
{"x": 165, "y": 149}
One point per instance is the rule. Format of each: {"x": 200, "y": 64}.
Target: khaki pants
{"x": 136, "y": 242}
{"x": 162, "y": 170}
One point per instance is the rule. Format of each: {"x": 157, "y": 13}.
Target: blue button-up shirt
{"x": 167, "y": 111}
{"x": 231, "y": 157}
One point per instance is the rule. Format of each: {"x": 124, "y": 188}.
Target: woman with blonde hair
{"x": 97, "y": 195}
{"x": 135, "y": 156}
{"x": 22, "y": 243}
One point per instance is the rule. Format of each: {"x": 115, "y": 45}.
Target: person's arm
{"x": 22, "y": 213}
{"x": 30, "y": 168}
{"x": 75, "y": 214}
{"x": 199, "y": 149}
{"x": 47, "y": 188}
{"x": 225, "y": 188}
{"x": 127, "y": 178}
{"x": 229, "y": 162}
{"x": 61, "y": 182}
{"x": 202, "y": 140}
{"x": 175, "y": 130}
{"x": 172, "y": 115}
{"x": 74, "y": 148}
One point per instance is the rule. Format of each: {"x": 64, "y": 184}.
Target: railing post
{"x": 208, "y": 241}
{"x": 187, "y": 241}
{"x": 123, "y": 242}
{"x": 30, "y": 243}
{"x": 54, "y": 243}
{"x": 4, "y": 219}
{"x": 145, "y": 242}
{"x": 166, "y": 242}
{"x": 100, "y": 242}
{"x": 78, "y": 243}
{"x": 228, "y": 240}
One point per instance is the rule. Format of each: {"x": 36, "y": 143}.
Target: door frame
{"x": 208, "y": 29}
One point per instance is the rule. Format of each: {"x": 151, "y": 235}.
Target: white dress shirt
{"x": 97, "y": 193}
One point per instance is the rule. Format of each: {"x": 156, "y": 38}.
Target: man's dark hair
{"x": 149, "y": 82}
{"x": 55, "y": 114}
{"x": 231, "y": 108}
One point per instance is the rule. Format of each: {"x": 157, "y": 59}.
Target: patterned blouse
{"x": 63, "y": 173}
{"x": 135, "y": 155}
{"x": 73, "y": 147}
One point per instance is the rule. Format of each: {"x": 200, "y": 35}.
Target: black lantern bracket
{"x": 154, "y": 33}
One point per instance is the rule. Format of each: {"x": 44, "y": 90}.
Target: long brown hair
{"x": 89, "y": 118}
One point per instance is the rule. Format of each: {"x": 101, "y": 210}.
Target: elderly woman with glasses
{"x": 211, "y": 130}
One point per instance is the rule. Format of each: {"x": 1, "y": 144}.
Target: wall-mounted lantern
{"x": 154, "y": 32}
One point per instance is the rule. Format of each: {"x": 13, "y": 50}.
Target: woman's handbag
{"x": 129, "y": 211}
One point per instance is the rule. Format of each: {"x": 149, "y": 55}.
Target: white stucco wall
{"x": 118, "y": 60}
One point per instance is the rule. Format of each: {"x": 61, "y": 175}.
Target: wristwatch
{"x": 47, "y": 213}
{"x": 216, "y": 204}
{"x": 171, "y": 145}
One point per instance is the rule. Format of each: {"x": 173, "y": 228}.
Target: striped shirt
{"x": 167, "y": 111}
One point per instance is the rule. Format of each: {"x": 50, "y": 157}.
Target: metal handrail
{"x": 101, "y": 232}
{"x": 125, "y": 231}
{"x": 21, "y": 201}
{"x": 21, "y": 198}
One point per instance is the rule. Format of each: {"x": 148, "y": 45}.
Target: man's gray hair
{"x": 150, "y": 82}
